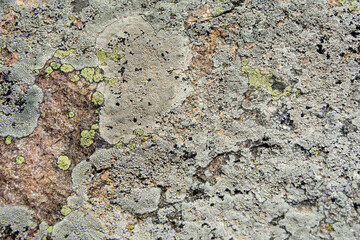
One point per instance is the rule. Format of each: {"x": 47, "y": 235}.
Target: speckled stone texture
{"x": 252, "y": 131}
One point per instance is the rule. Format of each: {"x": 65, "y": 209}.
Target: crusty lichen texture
{"x": 149, "y": 65}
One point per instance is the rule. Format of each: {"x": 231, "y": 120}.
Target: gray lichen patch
{"x": 16, "y": 221}
{"x": 149, "y": 73}
{"x": 19, "y": 107}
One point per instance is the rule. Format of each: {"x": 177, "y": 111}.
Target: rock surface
{"x": 183, "y": 119}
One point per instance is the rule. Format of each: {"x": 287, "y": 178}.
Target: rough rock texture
{"x": 262, "y": 144}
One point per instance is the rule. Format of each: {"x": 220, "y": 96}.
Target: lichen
{"x": 114, "y": 55}
{"x": 75, "y": 78}
{"x": 19, "y": 160}
{"x": 88, "y": 74}
{"x": 139, "y": 132}
{"x": 8, "y": 140}
{"x": 110, "y": 81}
{"x": 98, "y": 76}
{"x": 268, "y": 81}
{"x": 95, "y": 127}
{"x": 71, "y": 114}
{"x": 101, "y": 57}
{"x": 87, "y": 138}
{"x": 97, "y": 98}
{"x": 48, "y": 71}
{"x": 63, "y": 162}
{"x": 62, "y": 54}
{"x": 65, "y": 210}
{"x": 55, "y": 65}
{"x": 66, "y": 68}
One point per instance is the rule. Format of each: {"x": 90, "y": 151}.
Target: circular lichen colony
{"x": 149, "y": 65}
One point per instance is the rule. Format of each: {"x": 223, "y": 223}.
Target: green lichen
{"x": 219, "y": 9}
{"x": 36, "y": 72}
{"x": 298, "y": 93}
{"x": 224, "y": 25}
{"x": 94, "y": 127}
{"x": 66, "y": 68}
{"x": 75, "y": 78}
{"x": 62, "y": 54}
{"x": 71, "y": 114}
{"x": 101, "y": 57}
{"x": 268, "y": 81}
{"x": 114, "y": 55}
{"x": 65, "y": 210}
{"x": 3, "y": 46}
{"x": 55, "y": 65}
{"x": 8, "y": 140}
{"x": 71, "y": 18}
{"x": 44, "y": 238}
{"x": 131, "y": 145}
{"x": 88, "y": 74}
{"x": 139, "y": 132}
{"x": 97, "y": 98}
{"x": 110, "y": 81}
{"x": 98, "y": 76}
{"x": 51, "y": 186}
{"x": 49, "y": 229}
{"x": 19, "y": 160}
{"x": 87, "y": 138}
{"x": 48, "y": 71}
{"x": 354, "y": 8}
{"x": 63, "y": 162}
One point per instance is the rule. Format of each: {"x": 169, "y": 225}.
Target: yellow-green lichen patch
{"x": 139, "y": 132}
{"x": 63, "y": 162}
{"x": 71, "y": 18}
{"x": 114, "y": 55}
{"x": 48, "y": 71}
{"x": 298, "y": 93}
{"x": 36, "y": 72}
{"x": 67, "y": 68}
{"x": 110, "y": 81}
{"x": 51, "y": 186}
{"x": 95, "y": 127}
{"x": 55, "y": 65}
{"x": 75, "y": 78}
{"x": 3, "y": 46}
{"x": 8, "y": 140}
{"x": 131, "y": 145}
{"x": 71, "y": 114}
{"x": 19, "y": 160}
{"x": 101, "y": 55}
{"x": 268, "y": 81}
{"x": 98, "y": 76}
{"x": 97, "y": 98}
{"x": 62, "y": 54}
{"x": 87, "y": 138}
{"x": 88, "y": 74}
{"x": 65, "y": 210}
{"x": 49, "y": 229}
